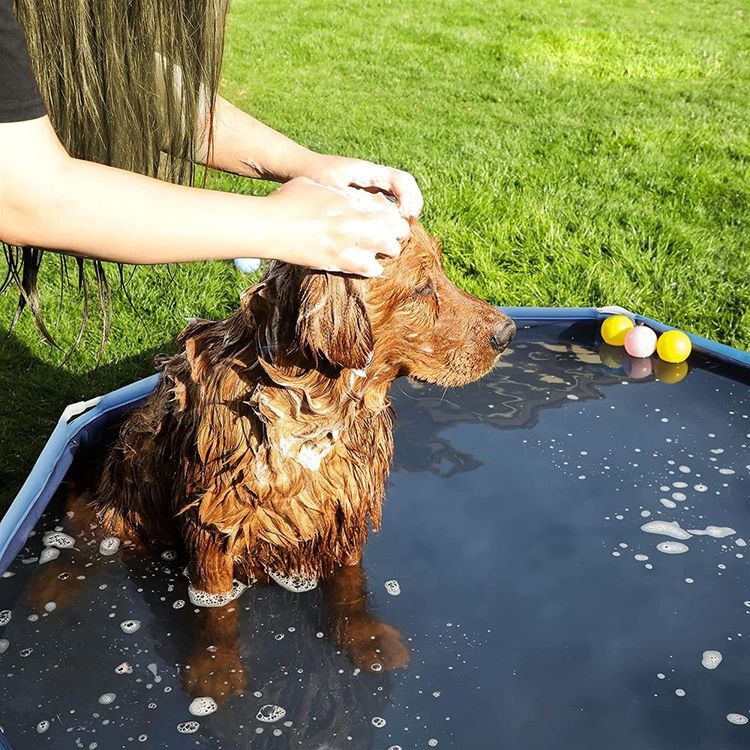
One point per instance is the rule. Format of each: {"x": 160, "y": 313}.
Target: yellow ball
{"x": 615, "y": 328}
{"x": 674, "y": 346}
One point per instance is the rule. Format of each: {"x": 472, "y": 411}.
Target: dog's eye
{"x": 426, "y": 290}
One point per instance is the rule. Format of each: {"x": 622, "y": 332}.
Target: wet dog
{"x": 264, "y": 451}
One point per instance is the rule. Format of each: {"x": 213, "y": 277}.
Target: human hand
{"x": 336, "y": 229}
{"x": 343, "y": 172}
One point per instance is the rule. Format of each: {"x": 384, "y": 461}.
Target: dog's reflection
{"x": 213, "y": 661}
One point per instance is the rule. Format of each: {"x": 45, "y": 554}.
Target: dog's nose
{"x": 502, "y": 336}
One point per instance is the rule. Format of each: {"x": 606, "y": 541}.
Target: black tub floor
{"x": 534, "y": 611}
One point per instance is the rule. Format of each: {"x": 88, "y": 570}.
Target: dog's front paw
{"x": 218, "y": 674}
{"x": 372, "y": 645}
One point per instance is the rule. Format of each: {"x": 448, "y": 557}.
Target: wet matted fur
{"x": 267, "y": 445}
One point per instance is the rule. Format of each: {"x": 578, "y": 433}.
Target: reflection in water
{"x": 513, "y": 598}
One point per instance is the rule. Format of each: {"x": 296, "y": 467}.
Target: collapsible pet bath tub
{"x": 562, "y": 564}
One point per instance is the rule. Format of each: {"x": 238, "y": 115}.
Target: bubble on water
{"x": 24, "y": 652}
{"x": 672, "y": 548}
{"x": 378, "y": 721}
{"x": 738, "y": 719}
{"x": 661, "y": 675}
{"x": 717, "y": 532}
{"x": 432, "y": 742}
{"x": 640, "y": 558}
{"x": 376, "y": 667}
{"x": 188, "y": 727}
{"x": 395, "y": 747}
{"x": 5, "y": 616}
{"x": 124, "y": 668}
{"x": 665, "y": 528}
{"x": 700, "y": 488}
{"x": 107, "y": 699}
{"x": 393, "y": 587}
{"x": 4, "y": 644}
{"x": 169, "y": 555}
{"x": 295, "y": 583}
{"x": 48, "y": 554}
{"x": 726, "y": 472}
{"x": 58, "y": 539}
{"x": 679, "y": 496}
{"x": 50, "y": 606}
{"x": 667, "y": 503}
{"x": 572, "y": 397}
{"x": 270, "y": 713}
{"x": 685, "y": 469}
{"x": 202, "y": 706}
{"x": 711, "y": 659}
{"x": 200, "y": 598}
{"x": 109, "y": 546}
{"x": 178, "y": 604}
{"x": 42, "y": 726}
{"x": 130, "y": 626}
{"x": 680, "y": 693}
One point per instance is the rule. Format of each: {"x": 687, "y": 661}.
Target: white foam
{"x": 202, "y": 706}
{"x": 672, "y": 548}
{"x": 378, "y": 721}
{"x": 5, "y": 616}
{"x": 109, "y": 546}
{"x": 188, "y": 727}
{"x": 666, "y": 528}
{"x": 48, "y": 554}
{"x": 124, "y": 668}
{"x": 107, "y": 698}
{"x": 295, "y": 583}
{"x": 270, "y": 713}
{"x": 738, "y": 719}
{"x": 200, "y": 598}
{"x": 393, "y": 587}
{"x": 130, "y": 626}
{"x": 178, "y": 604}
{"x": 711, "y": 659}
{"x": 717, "y": 532}
{"x": 169, "y": 555}
{"x": 42, "y": 726}
{"x": 58, "y": 539}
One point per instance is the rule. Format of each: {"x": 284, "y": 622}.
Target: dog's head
{"x": 410, "y": 321}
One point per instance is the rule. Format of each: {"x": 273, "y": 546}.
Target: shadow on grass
{"x": 34, "y": 392}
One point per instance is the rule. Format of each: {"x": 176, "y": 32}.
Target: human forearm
{"x": 48, "y": 199}
{"x": 245, "y": 146}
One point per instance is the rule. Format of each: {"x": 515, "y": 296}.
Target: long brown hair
{"x": 126, "y": 83}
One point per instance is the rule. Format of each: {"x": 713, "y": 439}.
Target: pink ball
{"x": 640, "y": 342}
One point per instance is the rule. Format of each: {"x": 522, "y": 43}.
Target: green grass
{"x": 570, "y": 153}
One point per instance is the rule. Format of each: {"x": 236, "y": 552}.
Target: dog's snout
{"x": 503, "y": 335}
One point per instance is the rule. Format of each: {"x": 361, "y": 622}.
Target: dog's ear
{"x": 332, "y": 320}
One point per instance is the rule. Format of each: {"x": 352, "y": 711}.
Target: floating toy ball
{"x": 640, "y": 342}
{"x": 674, "y": 346}
{"x": 615, "y": 328}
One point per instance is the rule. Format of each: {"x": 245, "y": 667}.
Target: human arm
{"x": 245, "y": 146}
{"x": 49, "y": 199}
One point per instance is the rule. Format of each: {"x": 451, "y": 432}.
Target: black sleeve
{"x": 19, "y": 95}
